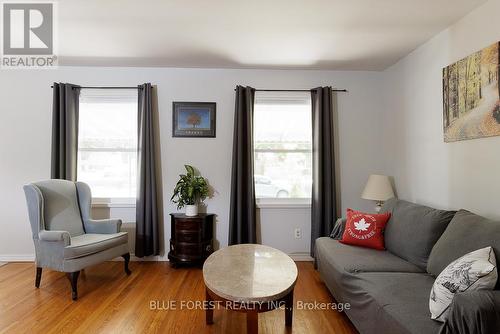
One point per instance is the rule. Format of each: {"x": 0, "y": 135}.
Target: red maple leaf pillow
{"x": 365, "y": 229}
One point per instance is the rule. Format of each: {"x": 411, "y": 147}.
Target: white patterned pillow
{"x": 474, "y": 271}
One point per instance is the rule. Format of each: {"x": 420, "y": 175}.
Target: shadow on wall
{"x": 393, "y": 185}
{"x": 159, "y": 174}
{"x": 336, "y": 151}
{"x": 258, "y": 228}
{"x": 202, "y": 207}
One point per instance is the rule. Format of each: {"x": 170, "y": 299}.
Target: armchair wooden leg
{"x": 38, "y": 277}
{"x": 126, "y": 257}
{"x": 73, "y": 278}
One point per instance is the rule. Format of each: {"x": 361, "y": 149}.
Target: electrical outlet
{"x": 298, "y": 233}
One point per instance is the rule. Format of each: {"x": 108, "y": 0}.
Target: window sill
{"x": 113, "y": 203}
{"x": 283, "y": 203}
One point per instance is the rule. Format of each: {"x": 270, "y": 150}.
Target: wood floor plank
{"x": 112, "y": 302}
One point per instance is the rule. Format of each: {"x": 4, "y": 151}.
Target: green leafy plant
{"x": 191, "y": 189}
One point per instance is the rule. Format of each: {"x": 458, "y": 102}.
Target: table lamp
{"x": 379, "y": 189}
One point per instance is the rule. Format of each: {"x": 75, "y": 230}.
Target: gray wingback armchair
{"x": 66, "y": 238}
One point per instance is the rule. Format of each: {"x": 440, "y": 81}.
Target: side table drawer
{"x": 188, "y": 224}
{"x": 188, "y": 236}
{"x": 189, "y": 249}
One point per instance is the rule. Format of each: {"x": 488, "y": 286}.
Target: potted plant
{"x": 190, "y": 190}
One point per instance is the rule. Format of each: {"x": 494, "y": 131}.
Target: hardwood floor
{"x": 111, "y": 302}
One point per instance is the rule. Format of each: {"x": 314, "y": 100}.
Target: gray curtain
{"x": 147, "y": 207}
{"x": 324, "y": 204}
{"x": 242, "y": 217}
{"x": 64, "y": 131}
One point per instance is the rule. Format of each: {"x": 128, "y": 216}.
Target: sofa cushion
{"x": 413, "y": 230}
{"x": 87, "y": 244}
{"x": 465, "y": 233}
{"x": 353, "y": 259}
{"x": 392, "y": 303}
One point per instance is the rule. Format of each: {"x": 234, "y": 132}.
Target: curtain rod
{"x": 106, "y": 87}
{"x": 296, "y": 90}
{"x": 258, "y": 90}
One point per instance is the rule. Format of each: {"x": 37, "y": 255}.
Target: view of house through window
{"x": 282, "y": 144}
{"x": 107, "y": 142}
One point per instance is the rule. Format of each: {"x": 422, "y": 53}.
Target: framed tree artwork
{"x": 193, "y": 119}
{"x": 471, "y": 96}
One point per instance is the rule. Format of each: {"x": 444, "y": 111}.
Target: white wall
{"x": 457, "y": 175}
{"x": 25, "y": 122}
{"x": 389, "y": 122}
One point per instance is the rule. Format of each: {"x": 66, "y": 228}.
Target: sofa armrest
{"x": 103, "y": 226}
{"x": 55, "y": 236}
{"x": 473, "y": 312}
{"x": 338, "y": 229}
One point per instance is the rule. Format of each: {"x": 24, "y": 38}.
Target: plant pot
{"x": 191, "y": 210}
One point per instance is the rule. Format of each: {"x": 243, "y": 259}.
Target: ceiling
{"x": 302, "y": 34}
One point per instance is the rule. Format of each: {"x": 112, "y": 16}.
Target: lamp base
{"x": 378, "y": 206}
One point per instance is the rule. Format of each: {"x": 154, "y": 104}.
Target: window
{"x": 282, "y": 144}
{"x": 107, "y": 142}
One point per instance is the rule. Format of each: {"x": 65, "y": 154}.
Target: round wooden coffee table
{"x": 250, "y": 278}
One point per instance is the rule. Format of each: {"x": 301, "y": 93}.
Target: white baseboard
{"x": 159, "y": 258}
{"x": 301, "y": 257}
{"x": 31, "y": 258}
{"x": 17, "y": 258}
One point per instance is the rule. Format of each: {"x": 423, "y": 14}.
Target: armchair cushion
{"x": 103, "y": 226}
{"x": 87, "y": 244}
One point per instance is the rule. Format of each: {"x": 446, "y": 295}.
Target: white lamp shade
{"x": 378, "y": 188}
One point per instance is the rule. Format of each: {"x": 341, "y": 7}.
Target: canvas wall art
{"x": 471, "y": 95}
{"x": 193, "y": 119}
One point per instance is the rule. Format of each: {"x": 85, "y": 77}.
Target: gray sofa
{"x": 389, "y": 290}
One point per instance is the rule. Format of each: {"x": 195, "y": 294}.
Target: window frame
{"x": 118, "y": 95}
{"x": 283, "y": 97}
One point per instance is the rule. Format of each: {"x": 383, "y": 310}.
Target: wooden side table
{"x": 191, "y": 238}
